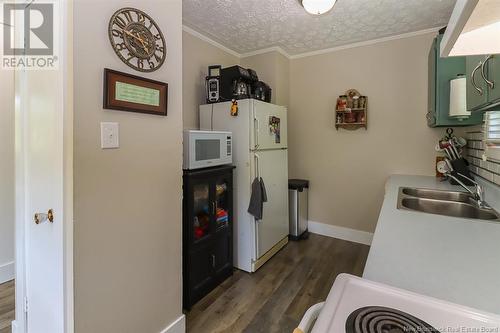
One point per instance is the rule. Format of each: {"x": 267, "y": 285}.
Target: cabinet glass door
{"x": 201, "y": 209}
{"x": 222, "y": 204}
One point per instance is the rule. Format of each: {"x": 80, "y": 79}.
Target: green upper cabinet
{"x": 483, "y": 82}
{"x": 477, "y": 90}
{"x": 441, "y": 71}
{"x": 492, "y": 79}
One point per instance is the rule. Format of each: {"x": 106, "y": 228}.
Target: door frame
{"x": 23, "y": 216}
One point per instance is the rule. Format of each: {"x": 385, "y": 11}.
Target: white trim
{"x": 68, "y": 117}
{"x": 366, "y": 43}
{"x": 305, "y": 54}
{"x": 178, "y": 326}
{"x": 459, "y": 17}
{"x": 21, "y": 186}
{"x": 13, "y": 326}
{"x": 352, "y": 235}
{"x": 266, "y": 50}
{"x": 7, "y": 272}
{"x": 209, "y": 41}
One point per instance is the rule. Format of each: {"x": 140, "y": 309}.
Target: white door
{"x": 272, "y": 166}
{"x": 43, "y": 182}
{"x": 269, "y": 126}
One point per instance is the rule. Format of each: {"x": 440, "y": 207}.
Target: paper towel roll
{"x": 458, "y": 98}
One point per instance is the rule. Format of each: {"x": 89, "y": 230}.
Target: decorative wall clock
{"x": 137, "y": 39}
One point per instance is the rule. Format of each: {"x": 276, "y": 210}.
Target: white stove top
{"x": 350, "y": 293}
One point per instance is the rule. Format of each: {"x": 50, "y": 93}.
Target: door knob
{"x": 43, "y": 217}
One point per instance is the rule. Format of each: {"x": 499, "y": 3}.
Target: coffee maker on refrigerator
{"x": 236, "y": 82}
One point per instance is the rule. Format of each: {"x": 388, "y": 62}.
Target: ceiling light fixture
{"x": 318, "y": 7}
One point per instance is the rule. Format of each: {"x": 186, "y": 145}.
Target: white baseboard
{"x": 352, "y": 235}
{"x": 7, "y": 272}
{"x": 178, "y": 326}
{"x": 14, "y": 327}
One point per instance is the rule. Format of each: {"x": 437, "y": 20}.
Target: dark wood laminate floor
{"x": 274, "y": 299}
{"x": 7, "y": 305}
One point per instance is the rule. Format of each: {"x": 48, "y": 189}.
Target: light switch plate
{"x": 110, "y": 137}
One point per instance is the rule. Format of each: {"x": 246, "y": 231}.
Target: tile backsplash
{"x": 489, "y": 169}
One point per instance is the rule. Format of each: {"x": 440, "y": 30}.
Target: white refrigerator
{"x": 259, "y": 150}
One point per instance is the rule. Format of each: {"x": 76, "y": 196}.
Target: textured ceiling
{"x": 249, "y": 25}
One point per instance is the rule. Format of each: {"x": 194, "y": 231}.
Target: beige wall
{"x": 127, "y": 201}
{"x": 274, "y": 69}
{"x": 7, "y": 175}
{"x": 197, "y": 56}
{"x": 348, "y": 169}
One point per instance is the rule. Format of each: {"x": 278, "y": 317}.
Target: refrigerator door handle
{"x": 256, "y": 225}
{"x": 256, "y": 131}
{"x": 257, "y": 168}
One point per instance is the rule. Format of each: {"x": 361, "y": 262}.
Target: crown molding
{"x": 306, "y": 54}
{"x": 365, "y": 43}
{"x": 209, "y": 41}
{"x": 266, "y": 50}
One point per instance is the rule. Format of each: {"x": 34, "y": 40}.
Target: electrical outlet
{"x": 110, "y": 135}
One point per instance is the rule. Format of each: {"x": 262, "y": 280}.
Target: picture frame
{"x": 132, "y": 93}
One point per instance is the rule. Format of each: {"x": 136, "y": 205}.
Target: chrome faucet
{"x": 477, "y": 194}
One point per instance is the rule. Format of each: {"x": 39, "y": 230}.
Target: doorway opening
{"x": 7, "y": 201}
{"x": 7, "y": 306}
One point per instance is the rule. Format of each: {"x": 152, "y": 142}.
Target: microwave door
{"x": 206, "y": 152}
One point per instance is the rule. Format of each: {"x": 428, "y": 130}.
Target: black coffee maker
{"x": 261, "y": 91}
{"x": 236, "y": 82}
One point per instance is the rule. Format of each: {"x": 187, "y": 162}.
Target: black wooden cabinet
{"x": 207, "y": 230}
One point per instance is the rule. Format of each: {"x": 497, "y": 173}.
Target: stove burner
{"x": 377, "y": 319}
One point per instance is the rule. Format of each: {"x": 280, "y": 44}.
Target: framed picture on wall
{"x": 127, "y": 92}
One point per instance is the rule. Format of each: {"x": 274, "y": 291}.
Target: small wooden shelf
{"x": 351, "y": 110}
{"x": 359, "y": 115}
{"x": 350, "y": 124}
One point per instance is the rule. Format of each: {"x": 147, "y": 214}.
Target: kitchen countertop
{"x": 449, "y": 258}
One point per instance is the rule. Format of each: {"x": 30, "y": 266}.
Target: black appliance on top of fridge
{"x": 237, "y": 82}
{"x": 261, "y": 91}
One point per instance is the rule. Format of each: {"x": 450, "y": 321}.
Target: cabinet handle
{"x": 473, "y": 79}
{"x": 213, "y": 260}
{"x": 491, "y": 84}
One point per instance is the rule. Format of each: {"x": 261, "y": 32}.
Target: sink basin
{"x": 437, "y": 194}
{"x": 448, "y": 203}
{"x": 448, "y": 208}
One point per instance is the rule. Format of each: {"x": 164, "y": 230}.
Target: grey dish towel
{"x": 257, "y": 199}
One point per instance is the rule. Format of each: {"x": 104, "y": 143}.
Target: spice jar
{"x": 342, "y": 102}
{"x": 349, "y": 103}
{"x": 355, "y": 102}
{"x": 350, "y": 117}
{"x": 362, "y": 102}
{"x": 361, "y": 117}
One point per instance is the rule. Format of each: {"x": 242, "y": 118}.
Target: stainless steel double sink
{"x": 448, "y": 203}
